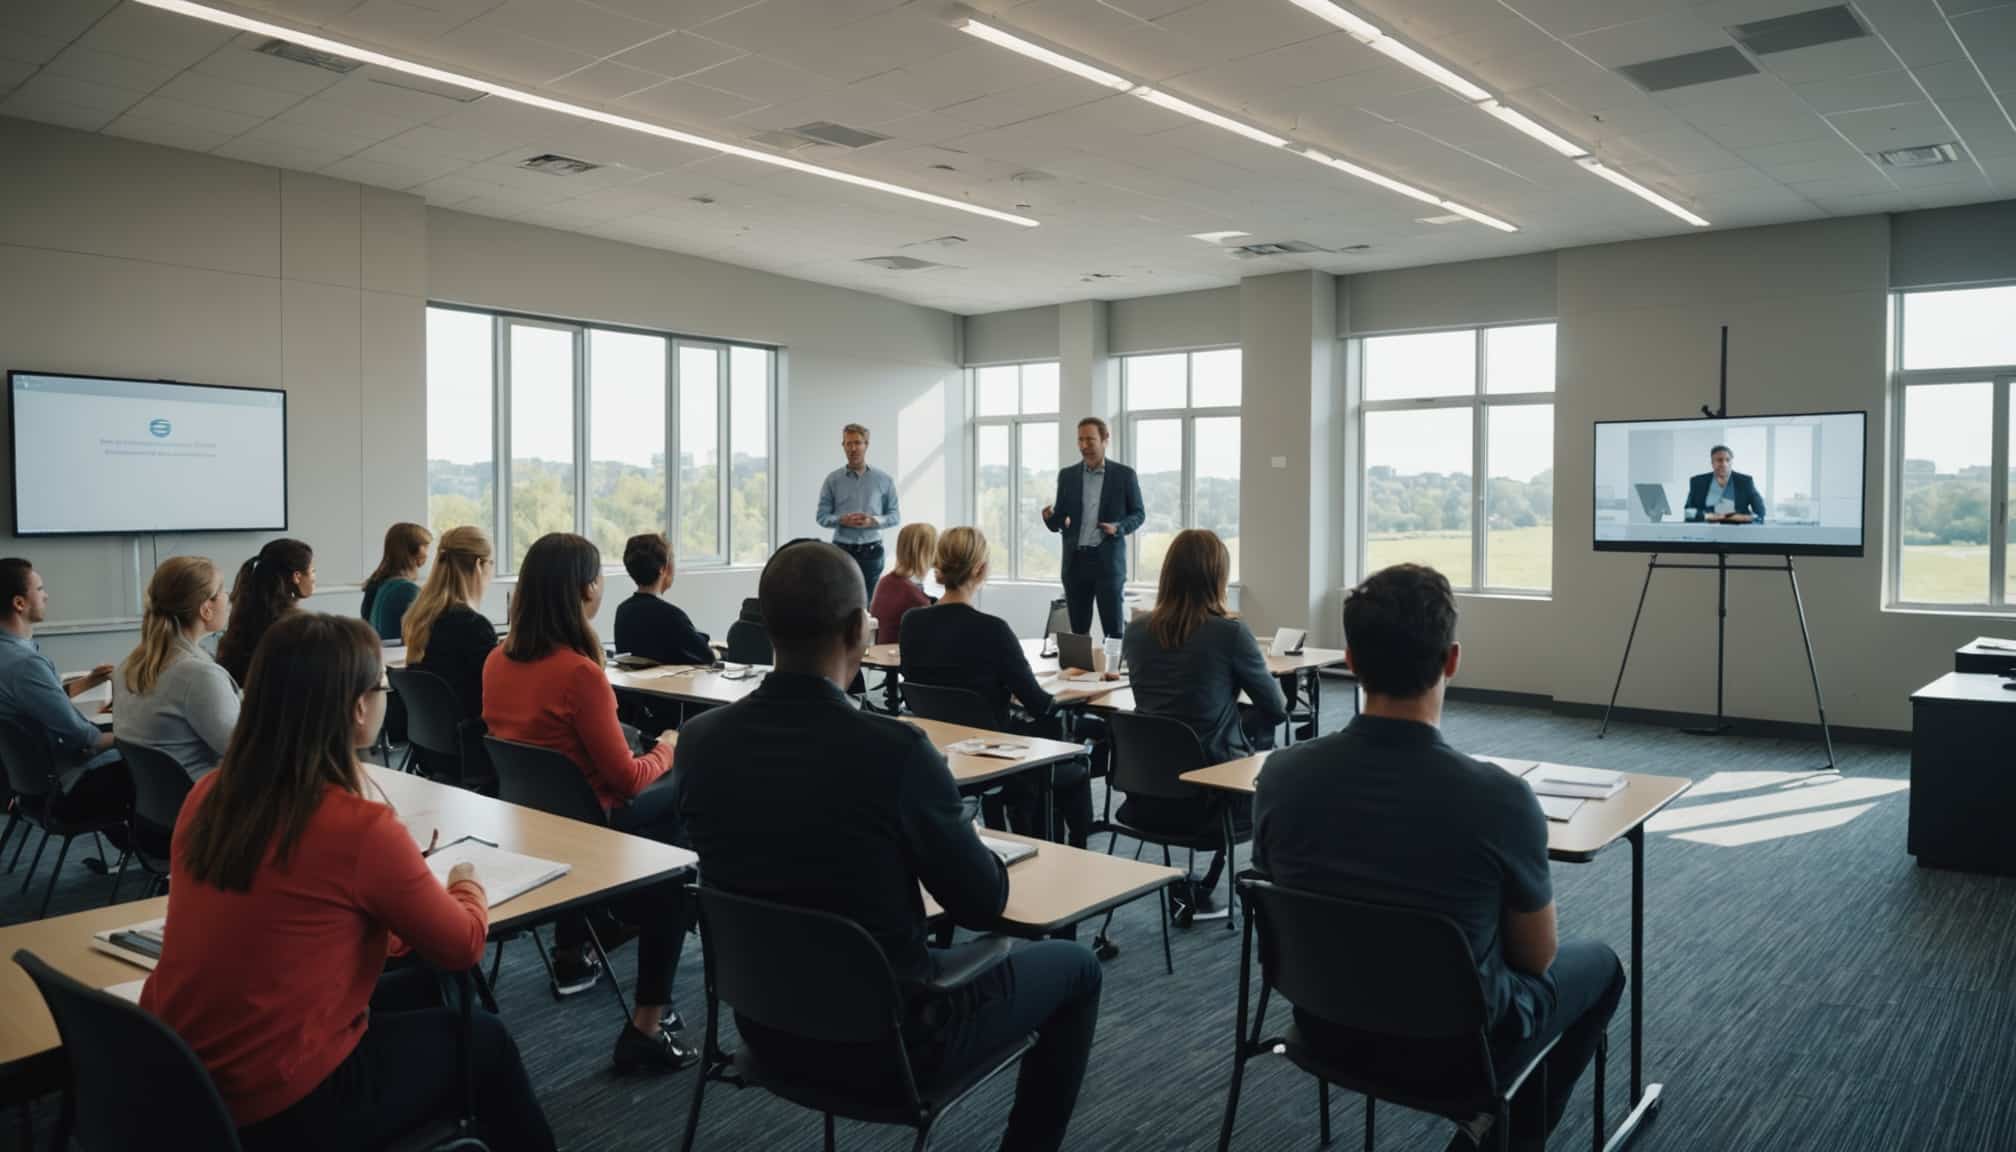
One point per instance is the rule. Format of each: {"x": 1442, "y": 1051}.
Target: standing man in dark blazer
{"x": 1098, "y": 506}
{"x": 1708, "y": 492}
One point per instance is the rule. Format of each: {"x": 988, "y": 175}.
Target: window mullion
{"x": 1998, "y": 496}
{"x": 724, "y": 542}
{"x": 672, "y": 444}
{"x": 500, "y": 386}
{"x": 582, "y": 447}
{"x": 1479, "y": 465}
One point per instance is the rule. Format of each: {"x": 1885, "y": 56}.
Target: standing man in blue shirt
{"x": 858, "y": 502}
{"x": 1098, "y": 506}
{"x": 90, "y": 779}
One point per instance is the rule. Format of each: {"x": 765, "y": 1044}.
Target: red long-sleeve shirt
{"x": 563, "y": 701}
{"x": 272, "y": 986}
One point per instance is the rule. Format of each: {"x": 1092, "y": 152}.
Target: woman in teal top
{"x": 394, "y": 585}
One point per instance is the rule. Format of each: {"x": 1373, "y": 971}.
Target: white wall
{"x": 125, "y": 258}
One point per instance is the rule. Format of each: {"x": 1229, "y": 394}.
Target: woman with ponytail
{"x": 267, "y": 588}
{"x": 169, "y": 695}
{"x": 445, "y": 633}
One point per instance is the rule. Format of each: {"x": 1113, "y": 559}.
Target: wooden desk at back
{"x": 603, "y": 863}
{"x": 889, "y": 657}
{"x": 701, "y": 686}
{"x": 1061, "y": 886}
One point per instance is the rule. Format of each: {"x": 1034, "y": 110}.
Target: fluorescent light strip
{"x": 1640, "y": 191}
{"x": 1035, "y": 51}
{"x": 1479, "y": 217}
{"x": 518, "y": 96}
{"x": 1324, "y": 10}
{"x": 1183, "y": 107}
{"x": 1402, "y": 54}
{"x": 1371, "y": 177}
{"x": 1535, "y": 129}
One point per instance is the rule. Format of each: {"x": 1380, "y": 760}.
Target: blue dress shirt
{"x": 1089, "y": 533}
{"x": 870, "y": 490}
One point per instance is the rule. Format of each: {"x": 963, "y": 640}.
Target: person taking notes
{"x": 858, "y": 502}
{"x": 1722, "y": 496}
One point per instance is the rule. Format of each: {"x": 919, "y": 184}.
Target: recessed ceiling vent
{"x": 1687, "y": 69}
{"x": 1921, "y": 156}
{"x": 1274, "y": 248}
{"x": 1799, "y": 30}
{"x": 327, "y": 61}
{"x": 816, "y": 133}
{"x": 556, "y": 165}
{"x": 901, "y": 263}
{"x": 938, "y": 242}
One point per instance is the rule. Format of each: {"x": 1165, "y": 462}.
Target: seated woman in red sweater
{"x": 903, "y": 588}
{"x": 544, "y": 685}
{"x": 287, "y": 888}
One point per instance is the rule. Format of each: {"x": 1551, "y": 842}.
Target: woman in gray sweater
{"x": 169, "y": 694}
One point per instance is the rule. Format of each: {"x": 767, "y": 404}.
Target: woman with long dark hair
{"x": 545, "y": 685}
{"x": 268, "y": 587}
{"x": 395, "y": 583}
{"x": 287, "y": 885}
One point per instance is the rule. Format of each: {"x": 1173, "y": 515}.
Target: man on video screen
{"x": 1723, "y": 496}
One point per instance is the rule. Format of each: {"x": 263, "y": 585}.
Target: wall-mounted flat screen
{"x": 1789, "y": 485}
{"x": 98, "y": 455}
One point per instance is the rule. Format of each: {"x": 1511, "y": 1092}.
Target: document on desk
{"x": 997, "y": 749}
{"x": 135, "y": 943}
{"x": 1009, "y": 852}
{"x": 1559, "y": 809}
{"x": 1515, "y": 767}
{"x": 505, "y": 875}
{"x": 1576, "y": 783}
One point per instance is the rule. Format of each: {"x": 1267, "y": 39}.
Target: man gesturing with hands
{"x": 1098, "y": 506}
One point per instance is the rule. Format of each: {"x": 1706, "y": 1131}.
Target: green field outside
{"x": 1946, "y": 574}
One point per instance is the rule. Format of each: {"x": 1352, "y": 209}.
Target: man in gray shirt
{"x": 35, "y": 699}
{"x": 858, "y": 502}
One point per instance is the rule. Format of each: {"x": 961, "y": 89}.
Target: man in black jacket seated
{"x": 794, "y": 795}
{"x": 647, "y": 625}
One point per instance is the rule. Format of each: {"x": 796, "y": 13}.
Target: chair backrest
{"x": 1377, "y": 968}
{"x": 748, "y": 643}
{"x": 159, "y": 785}
{"x": 954, "y": 706}
{"x": 1150, "y": 752}
{"x": 433, "y": 714}
{"x": 133, "y": 1079}
{"x": 544, "y": 779}
{"x": 1059, "y": 619}
{"x": 30, "y": 762}
{"x": 795, "y": 970}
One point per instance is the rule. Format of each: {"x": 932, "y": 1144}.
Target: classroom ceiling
{"x": 1119, "y": 185}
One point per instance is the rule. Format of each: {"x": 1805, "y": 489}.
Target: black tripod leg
{"x": 1650, "y": 566}
{"x": 1812, "y": 668}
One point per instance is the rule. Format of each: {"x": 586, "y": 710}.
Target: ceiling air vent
{"x": 1274, "y": 248}
{"x": 327, "y": 61}
{"x": 901, "y": 263}
{"x": 938, "y": 242}
{"x": 1799, "y": 30}
{"x": 838, "y": 135}
{"x": 1688, "y": 69}
{"x": 555, "y": 165}
{"x": 1921, "y": 156}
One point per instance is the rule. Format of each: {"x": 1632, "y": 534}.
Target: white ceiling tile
{"x": 1686, "y": 150}
{"x": 311, "y": 12}
{"x": 850, "y": 106}
{"x": 926, "y": 128}
{"x": 1235, "y": 28}
{"x": 228, "y": 96}
{"x": 13, "y": 72}
{"x": 152, "y": 34}
{"x": 310, "y": 138}
{"x": 1819, "y": 170}
{"x": 58, "y": 90}
{"x": 959, "y": 76}
{"x": 759, "y": 27}
{"x": 1743, "y": 98}
{"x": 580, "y": 27}
{"x": 1830, "y": 147}
{"x": 1918, "y": 39}
{"x": 63, "y": 20}
{"x": 241, "y": 63}
{"x": 498, "y": 53}
{"x": 1854, "y": 93}
{"x": 1308, "y": 61}
{"x": 52, "y": 109}
{"x": 168, "y": 110}
{"x": 1843, "y": 58}
{"x": 605, "y": 82}
{"x": 1982, "y": 124}
{"x": 1988, "y": 29}
{"x": 1998, "y": 68}
{"x": 30, "y": 47}
{"x": 430, "y": 165}
{"x": 674, "y": 13}
{"x": 864, "y": 48}
{"x": 167, "y": 133}
{"x": 684, "y": 102}
{"x": 1867, "y": 183}
{"x": 97, "y": 67}
{"x": 1903, "y": 126}
{"x": 400, "y": 22}
{"x": 329, "y": 116}
{"x": 763, "y": 80}
{"x": 677, "y": 54}
{"x": 1003, "y": 108}
{"x": 1757, "y": 133}
{"x": 467, "y": 147}
{"x": 1952, "y": 80}
{"x": 278, "y": 152}
{"x": 381, "y": 175}
{"x": 1671, "y": 34}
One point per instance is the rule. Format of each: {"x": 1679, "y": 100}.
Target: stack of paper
{"x": 1009, "y": 852}
{"x": 998, "y": 749}
{"x": 1559, "y": 809}
{"x": 504, "y": 875}
{"x": 1575, "y": 783}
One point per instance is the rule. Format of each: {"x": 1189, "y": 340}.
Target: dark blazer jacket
{"x": 1742, "y": 490}
{"x": 1119, "y": 503}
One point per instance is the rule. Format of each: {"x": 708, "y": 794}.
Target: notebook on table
{"x": 135, "y": 943}
{"x": 1575, "y": 783}
{"x": 505, "y": 875}
{"x": 1009, "y": 852}
{"x": 995, "y": 749}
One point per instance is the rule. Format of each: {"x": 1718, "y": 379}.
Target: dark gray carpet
{"x": 1808, "y": 991}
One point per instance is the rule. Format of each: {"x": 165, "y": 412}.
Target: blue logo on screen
{"x": 159, "y": 427}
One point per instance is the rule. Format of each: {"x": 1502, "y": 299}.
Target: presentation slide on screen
{"x": 95, "y": 455}
{"x": 1760, "y": 482}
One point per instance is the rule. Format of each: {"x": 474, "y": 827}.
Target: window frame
{"x": 1126, "y": 435}
{"x": 1013, "y": 422}
{"x": 2001, "y": 379}
{"x": 501, "y": 322}
{"x": 1480, "y": 400}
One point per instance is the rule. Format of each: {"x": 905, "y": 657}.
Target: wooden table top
{"x": 1596, "y": 825}
{"x": 604, "y": 863}
{"x": 691, "y": 683}
{"x": 889, "y": 657}
{"x": 1062, "y": 885}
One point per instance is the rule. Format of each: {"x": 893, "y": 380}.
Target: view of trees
{"x": 1397, "y": 504}
{"x": 1945, "y": 508}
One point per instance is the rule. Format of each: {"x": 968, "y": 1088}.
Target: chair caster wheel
{"x": 1105, "y": 948}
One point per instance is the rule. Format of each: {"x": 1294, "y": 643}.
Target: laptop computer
{"x": 1075, "y": 650}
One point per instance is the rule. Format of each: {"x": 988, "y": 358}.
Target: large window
{"x": 1015, "y": 466}
{"x": 1438, "y": 410}
{"x": 1954, "y": 369}
{"x": 1182, "y": 438}
{"x": 587, "y": 413}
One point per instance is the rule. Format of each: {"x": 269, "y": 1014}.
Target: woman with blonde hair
{"x": 395, "y": 583}
{"x": 445, "y": 631}
{"x": 169, "y": 694}
{"x": 1188, "y": 661}
{"x": 903, "y": 588}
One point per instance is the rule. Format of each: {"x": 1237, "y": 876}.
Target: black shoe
{"x": 636, "y": 1052}
{"x": 574, "y": 971}
{"x": 672, "y": 1022}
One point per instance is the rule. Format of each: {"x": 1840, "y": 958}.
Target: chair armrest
{"x": 963, "y": 965}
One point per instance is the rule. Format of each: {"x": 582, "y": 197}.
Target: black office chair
{"x": 1058, "y": 620}
{"x": 1149, "y": 755}
{"x": 32, "y": 774}
{"x": 160, "y": 785}
{"x": 447, "y": 746}
{"x": 748, "y": 643}
{"x": 133, "y": 1080}
{"x": 546, "y": 780}
{"x": 823, "y": 981}
{"x": 965, "y": 707}
{"x": 1401, "y": 984}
